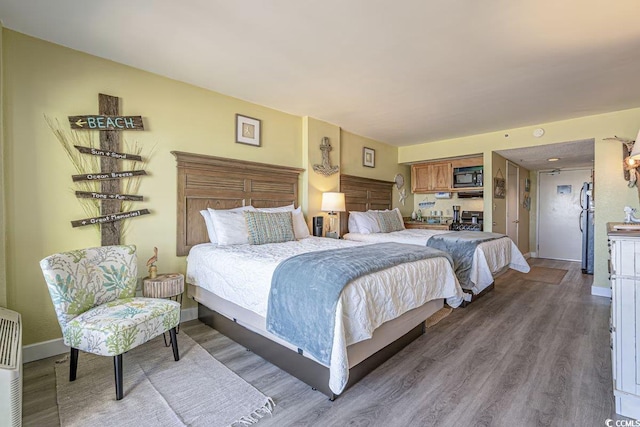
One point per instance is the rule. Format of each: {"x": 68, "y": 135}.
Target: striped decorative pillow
{"x": 269, "y": 227}
{"x": 389, "y": 221}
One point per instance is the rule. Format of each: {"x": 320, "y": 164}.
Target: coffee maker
{"x": 456, "y": 213}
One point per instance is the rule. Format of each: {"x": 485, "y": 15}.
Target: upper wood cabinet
{"x": 431, "y": 177}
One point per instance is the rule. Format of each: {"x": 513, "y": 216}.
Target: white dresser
{"x": 624, "y": 249}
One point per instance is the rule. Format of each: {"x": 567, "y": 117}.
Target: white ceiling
{"x": 573, "y": 154}
{"x": 401, "y": 72}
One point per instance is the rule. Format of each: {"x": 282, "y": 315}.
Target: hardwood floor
{"x": 526, "y": 354}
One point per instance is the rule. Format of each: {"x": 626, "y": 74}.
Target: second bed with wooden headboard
{"x": 218, "y": 183}
{"x": 489, "y": 259}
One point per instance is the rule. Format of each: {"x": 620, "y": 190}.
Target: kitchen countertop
{"x": 625, "y": 229}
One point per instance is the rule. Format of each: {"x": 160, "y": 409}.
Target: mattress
{"x": 242, "y": 275}
{"x": 489, "y": 258}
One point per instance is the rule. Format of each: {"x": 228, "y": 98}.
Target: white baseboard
{"x": 42, "y": 350}
{"x": 189, "y": 314}
{"x": 532, "y": 255}
{"x": 599, "y": 291}
{"x": 527, "y": 255}
{"x": 55, "y": 347}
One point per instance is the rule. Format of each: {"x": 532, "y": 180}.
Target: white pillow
{"x": 353, "y": 225}
{"x": 299, "y": 224}
{"x": 367, "y": 222}
{"x": 210, "y": 230}
{"x": 213, "y": 234}
{"x": 278, "y": 209}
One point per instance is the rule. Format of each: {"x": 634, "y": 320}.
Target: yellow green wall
{"x": 386, "y": 165}
{"x": 315, "y": 183}
{"x": 611, "y": 192}
{"x": 41, "y": 78}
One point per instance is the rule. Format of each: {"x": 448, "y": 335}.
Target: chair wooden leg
{"x": 174, "y": 344}
{"x": 117, "y": 368}
{"x": 73, "y": 366}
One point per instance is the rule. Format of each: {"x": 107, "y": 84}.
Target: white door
{"x": 513, "y": 200}
{"x": 559, "y": 235}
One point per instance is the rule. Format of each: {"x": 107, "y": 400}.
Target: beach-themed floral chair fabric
{"x": 93, "y": 295}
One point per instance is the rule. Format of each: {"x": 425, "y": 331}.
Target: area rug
{"x": 195, "y": 391}
{"x": 438, "y": 316}
{"x": 552, "y": 276}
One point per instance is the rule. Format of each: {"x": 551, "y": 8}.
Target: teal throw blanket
{"x": 305, "y": 290}
{"x": 461, "y": 245}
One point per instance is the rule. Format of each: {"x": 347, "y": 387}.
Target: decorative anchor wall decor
{"x": 109, "y": 123}
{"x": 325, "y": 168}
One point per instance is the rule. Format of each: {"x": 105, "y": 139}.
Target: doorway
{"x": 513, "y": 202}
{"x": 559, "y": 235}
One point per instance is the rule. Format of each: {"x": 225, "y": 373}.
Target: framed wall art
{"x": 248, "y": 130}
{"x": 499, "y": 188}
{"x": 368, "y": 157}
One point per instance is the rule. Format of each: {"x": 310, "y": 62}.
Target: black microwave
{"x": 467, "y": 177}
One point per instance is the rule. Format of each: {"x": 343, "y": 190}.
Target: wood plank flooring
{"x": 526, "y": 354}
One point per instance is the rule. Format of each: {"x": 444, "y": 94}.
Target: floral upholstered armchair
{"x": 93, "y": 295}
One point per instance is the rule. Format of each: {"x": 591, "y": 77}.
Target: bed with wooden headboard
{"x": 362, "y": 194}
{"x": 219, "y": 183}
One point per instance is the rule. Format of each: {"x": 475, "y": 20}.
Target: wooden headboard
{"x": 362, "y": 194}
{"x": 219, "y": 183}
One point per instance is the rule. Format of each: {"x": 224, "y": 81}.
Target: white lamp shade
{"x": 333, "y": 202}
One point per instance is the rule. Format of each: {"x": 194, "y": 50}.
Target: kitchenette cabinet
{"x": 435, "y": 177}
{"x": 431, "y": 177}
{"x": 624, "y": 323}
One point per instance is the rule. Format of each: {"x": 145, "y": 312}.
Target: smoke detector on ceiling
{"x": 538, "y": 132}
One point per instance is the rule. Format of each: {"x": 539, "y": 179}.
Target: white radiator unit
{"x": 10, "y": 368}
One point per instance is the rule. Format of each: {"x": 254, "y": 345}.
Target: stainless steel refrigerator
{"x": 587, "y": 226}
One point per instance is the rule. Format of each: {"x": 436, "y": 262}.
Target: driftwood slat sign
{"x": 105, "y": 153}
{"x": 109, "y": 218}
{"x": 105, "y": 196}
{"x": 106, "y": 122}
{"x": 100, "y": 176}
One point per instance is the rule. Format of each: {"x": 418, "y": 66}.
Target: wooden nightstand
{"x": 170, "y": 285}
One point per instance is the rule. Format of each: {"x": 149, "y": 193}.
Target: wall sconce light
{"x": 630, "y": 158}
{"x": 633, "y": 161}
{"x": 333, "y": 203}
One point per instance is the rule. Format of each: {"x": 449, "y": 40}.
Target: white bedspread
{"x": 242, "y": 274}
{"x": 488, "y": 259}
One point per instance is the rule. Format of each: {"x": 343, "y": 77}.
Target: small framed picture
{"x": 247, "y": 130}
{"x": 368, "y": 157}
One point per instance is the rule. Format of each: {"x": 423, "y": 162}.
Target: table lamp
{"x": 333, "y": 203}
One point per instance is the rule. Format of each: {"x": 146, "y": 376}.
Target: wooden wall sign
{"x": 104, "y": 196}
{"x": 109, "y": 218}
{"x": 110, "y": 175}
{"x": 113, "y": 154}
{"x": 105, "y": 122}
{"x": 109, "y": 123}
